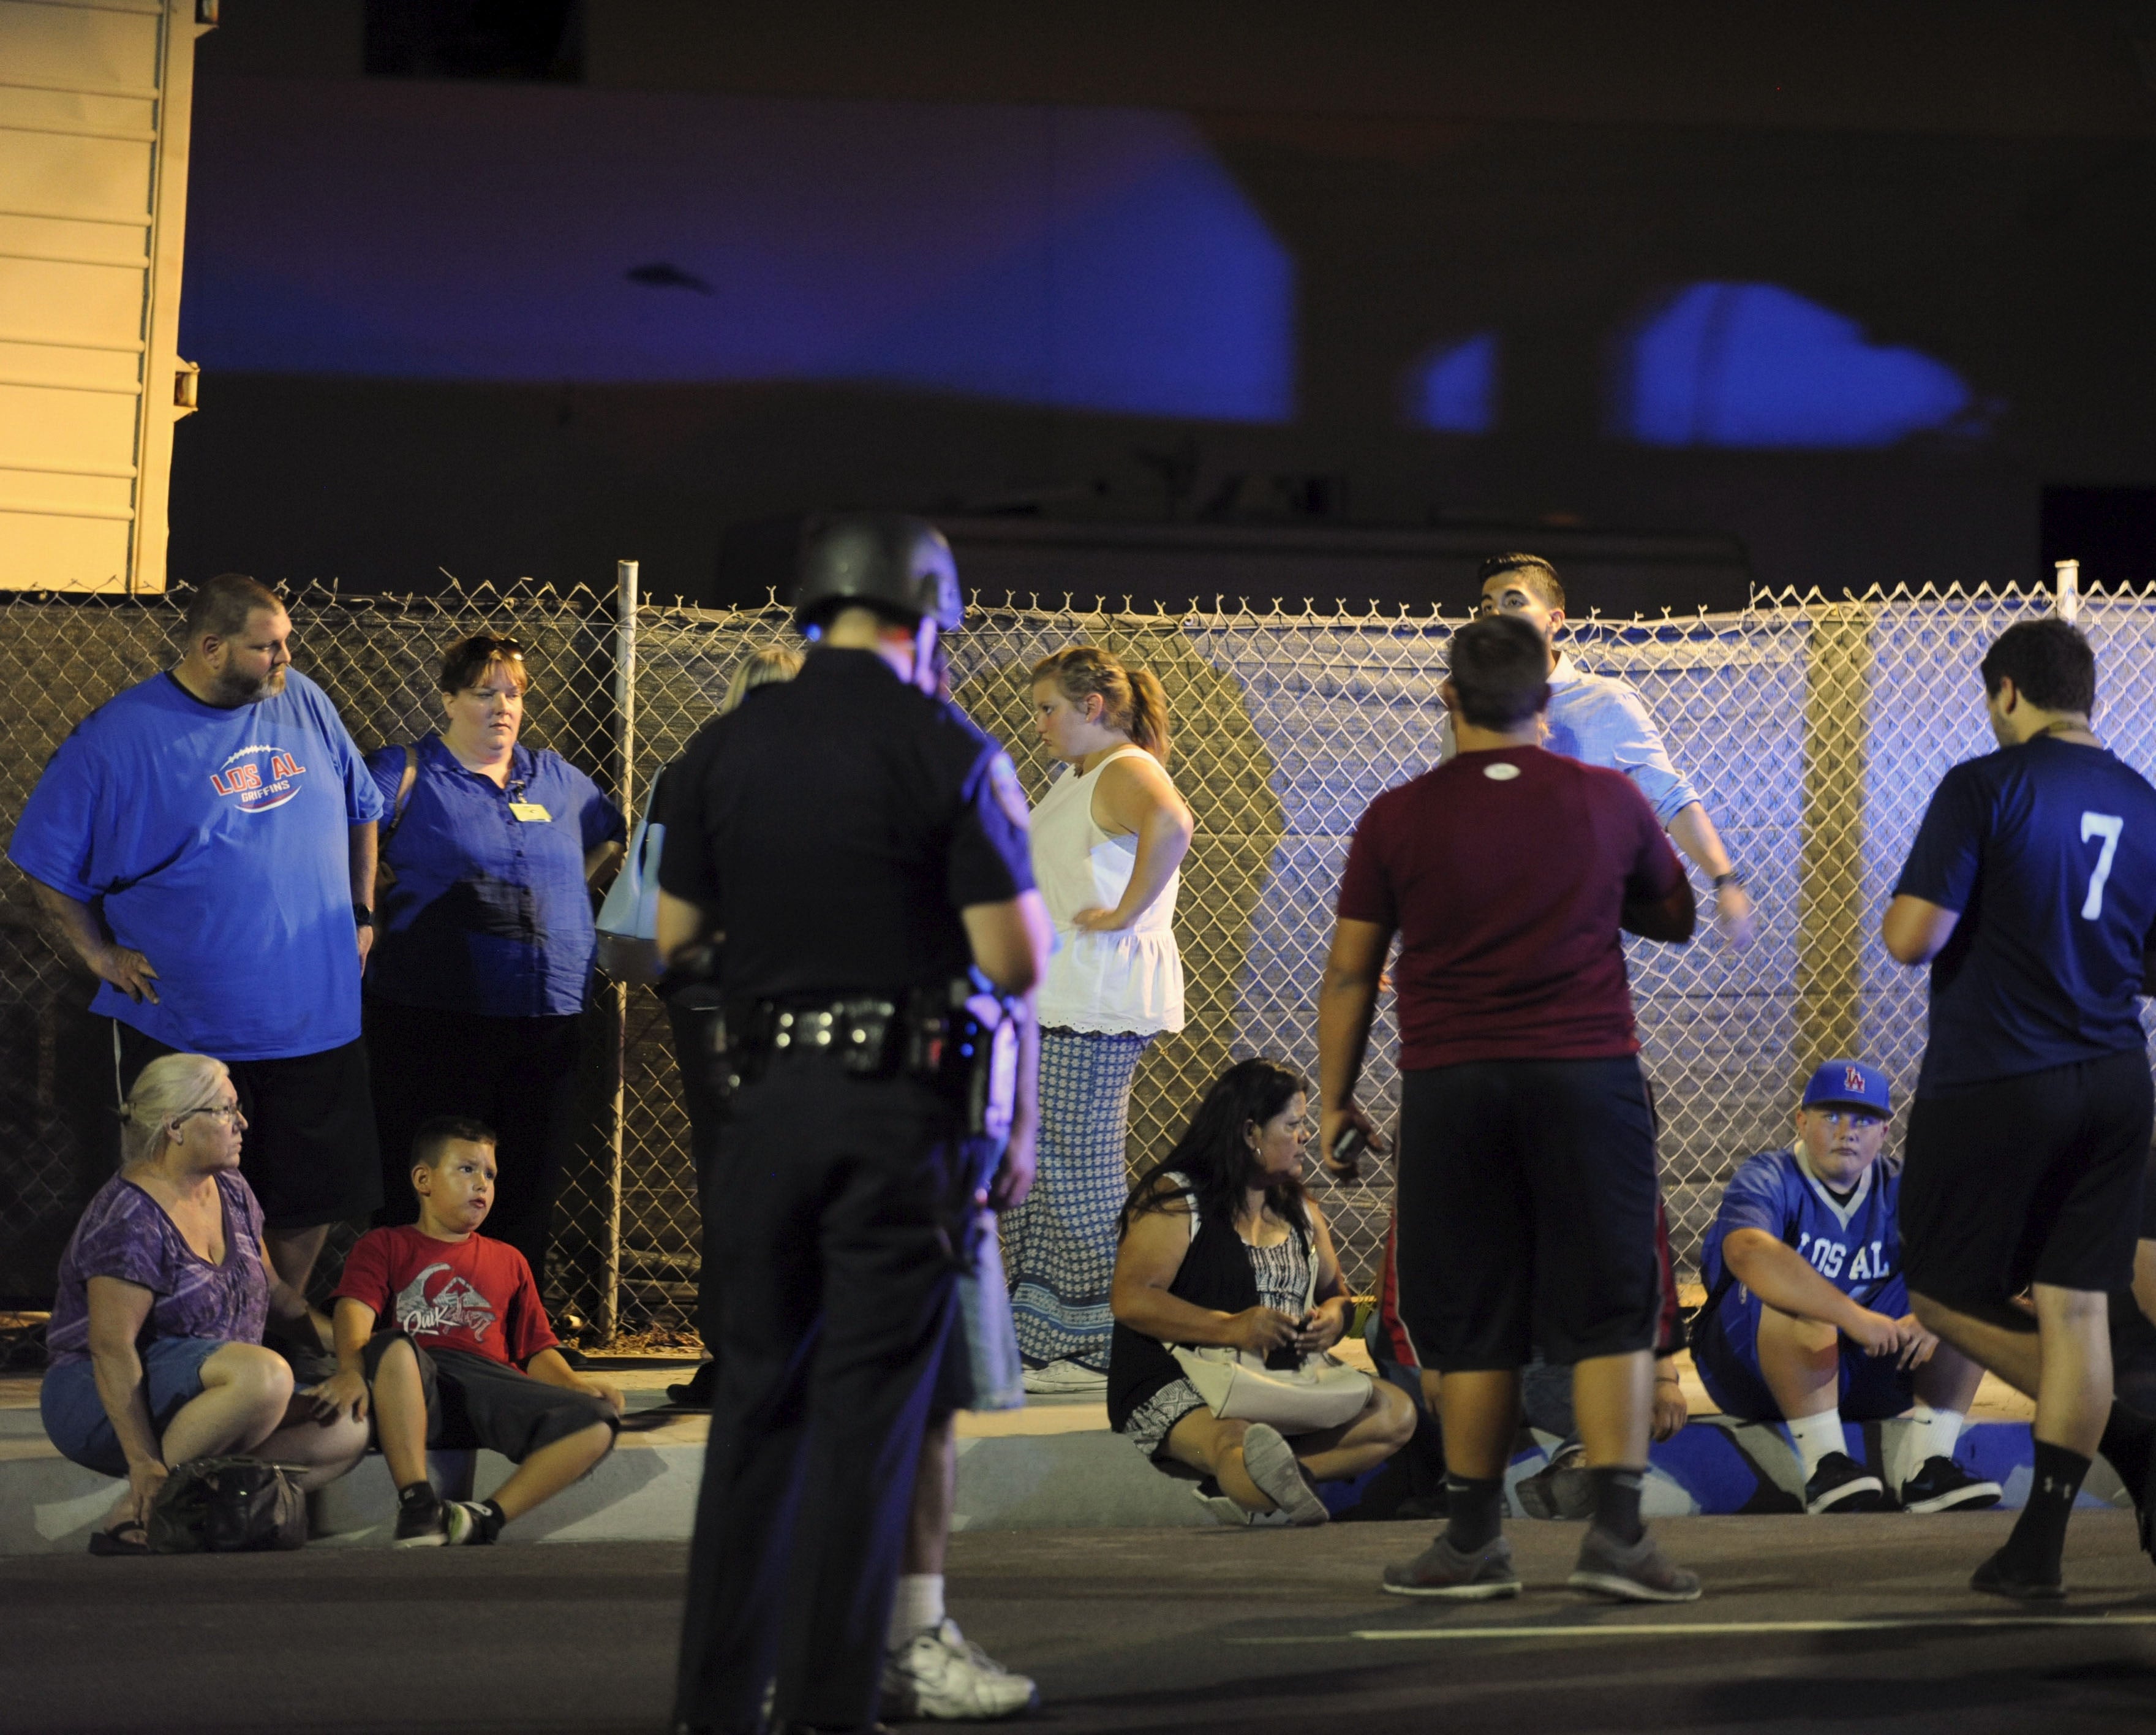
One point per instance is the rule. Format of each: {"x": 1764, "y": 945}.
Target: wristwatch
{"x": 361, "y": 916}
{"x": 1733, "y": 877}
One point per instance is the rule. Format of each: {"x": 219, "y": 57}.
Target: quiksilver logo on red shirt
{"x": 259, "y": 778}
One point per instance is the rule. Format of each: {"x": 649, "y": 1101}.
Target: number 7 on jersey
{"x": 2107, "y": 826}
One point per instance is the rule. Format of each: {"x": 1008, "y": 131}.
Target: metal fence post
{"x": 1830, "y": 838}
{"x": 624, "y": 747}
{"x": 2066, "y": 589}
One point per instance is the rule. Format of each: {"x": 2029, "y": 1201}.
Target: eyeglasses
{"x": 230, "y": 1115}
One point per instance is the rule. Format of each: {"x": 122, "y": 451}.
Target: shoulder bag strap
{"x": 384, "y": 875}
{"x": 403, "y": 791}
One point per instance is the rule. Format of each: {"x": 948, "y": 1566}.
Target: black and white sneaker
{"x": 1842, "y": 1485}
{"x": 1942, "y": 1486}
{"x": 470, "y": 1520}
{"x": 420, "y": 1524}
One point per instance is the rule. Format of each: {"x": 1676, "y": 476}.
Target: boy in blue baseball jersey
{"x": 2030, "y": 891}
{"x": 1808, "y": 1317}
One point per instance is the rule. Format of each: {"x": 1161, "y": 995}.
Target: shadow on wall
{"x": 1733, "y": 365}
{"x": 1095, "y": 259}
{"x": 1756, "y": 365}
{"x": 1224, "y": 771}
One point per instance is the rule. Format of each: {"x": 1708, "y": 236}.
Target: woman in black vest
{"x": 1218, "y": 1246}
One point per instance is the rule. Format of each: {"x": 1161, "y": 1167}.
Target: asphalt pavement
{"x": 1853, "y": 1624}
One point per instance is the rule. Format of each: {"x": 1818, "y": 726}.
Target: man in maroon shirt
{"x": 1527, "y": 1172}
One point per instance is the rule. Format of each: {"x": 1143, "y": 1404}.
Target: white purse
{"x": 628, "y": 921}
{"x": 1238, "y": 1386}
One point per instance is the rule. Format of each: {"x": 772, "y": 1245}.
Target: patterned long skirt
{"x": 1059, "y": 1245}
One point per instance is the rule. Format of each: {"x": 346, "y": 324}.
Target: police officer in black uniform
{"x": 862, "y": 850}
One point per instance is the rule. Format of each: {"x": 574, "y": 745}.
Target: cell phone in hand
{"x": 1350, "y": 1146}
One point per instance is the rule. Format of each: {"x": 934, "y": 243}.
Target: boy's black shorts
{"x": 1526, "y": 1201}
{"x": 474, "y": 1401}
{"x": 2036, "y": 1178}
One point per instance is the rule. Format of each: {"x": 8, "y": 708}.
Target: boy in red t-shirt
{"x": 464, "y": 1357}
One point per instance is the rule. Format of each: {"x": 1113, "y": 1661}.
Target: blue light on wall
{"x": 1454, "y": 389}
{"x": 1756, "y": 365}
{"x": 1095, "y": 259}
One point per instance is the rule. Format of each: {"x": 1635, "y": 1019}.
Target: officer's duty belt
{"x": 860, "y": 1031}
{"x": 959, "y": 1038}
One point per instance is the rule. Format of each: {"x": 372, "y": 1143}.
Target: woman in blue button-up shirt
{"x": 483, "y": 939}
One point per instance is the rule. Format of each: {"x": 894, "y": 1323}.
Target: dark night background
{"x": 1217, "y": 296}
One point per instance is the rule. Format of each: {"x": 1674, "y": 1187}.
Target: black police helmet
{"x": 897, "y": 566}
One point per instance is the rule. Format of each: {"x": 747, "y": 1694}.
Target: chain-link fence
{"x": 1814, "y": 732}
{"x": 62, "y": 657}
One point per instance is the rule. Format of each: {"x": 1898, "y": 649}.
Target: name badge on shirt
{"x": 530, "y": 812}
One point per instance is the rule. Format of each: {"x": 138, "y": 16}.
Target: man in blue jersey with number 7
{"x": 2030, "y": 891}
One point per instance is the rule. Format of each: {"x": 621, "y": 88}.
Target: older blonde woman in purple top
{"x": 156, "y": 1339}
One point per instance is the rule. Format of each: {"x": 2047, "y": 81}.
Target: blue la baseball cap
{"x": 1851, "y": 1082}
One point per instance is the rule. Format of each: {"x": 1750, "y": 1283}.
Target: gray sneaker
{"x": 1637, "y": 1574}
{"x": 1561, "y": 1489}
{"x": 1271, "y": 1463}
{"x": 1442, "y": 1570}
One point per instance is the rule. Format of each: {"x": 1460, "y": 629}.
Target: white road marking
{"x": 1674, "y": 1628}
{"x": 1690, "y": 1629}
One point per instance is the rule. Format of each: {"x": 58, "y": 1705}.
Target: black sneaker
{"x": 1942, "y": 1486}
{"x": 420, "y": 1524}
{"x": 1995, "y": 1577}
{"x": 470, "y": 1521}
{"x": 1560, "y": 1489}
{"x": 1634, "y": 1574}
{"x": 697, "y": 1391}
{"x": 1842, "y": 1485}
{"x": 1442, "y": 1570}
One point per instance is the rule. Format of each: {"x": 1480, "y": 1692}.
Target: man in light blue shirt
{"x": 203, "y": 842}
{"x": 1600, "y": 719}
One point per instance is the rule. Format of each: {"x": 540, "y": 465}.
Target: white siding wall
{"x": 94, "y": 97}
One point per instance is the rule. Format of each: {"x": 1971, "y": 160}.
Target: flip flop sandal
{"x": 119, "y": 1541}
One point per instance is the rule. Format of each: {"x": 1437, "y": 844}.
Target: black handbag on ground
{"x": 227, "y": 1506}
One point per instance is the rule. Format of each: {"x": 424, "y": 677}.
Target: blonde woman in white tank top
{"x": 1108, "y": 843}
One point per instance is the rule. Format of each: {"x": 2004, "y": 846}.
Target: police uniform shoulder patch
{"x": 1010, "y": 793}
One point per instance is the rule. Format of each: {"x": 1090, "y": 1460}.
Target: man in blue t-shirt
{"x": 2030, "y": 891}
{"x": 204, "y": 842}
{"x": 1808, "y": 1316}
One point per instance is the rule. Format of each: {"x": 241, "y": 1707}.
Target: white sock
{"x": 1927, "y": 1433}
{"x": 1815, "y": 1436}
{"x": 918, "y": 1606}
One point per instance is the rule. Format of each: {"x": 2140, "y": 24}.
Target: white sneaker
{"x": 1065, "y": 1379}
{"x": 940, "y": 1673}
{"x": 1225, "y": 1511}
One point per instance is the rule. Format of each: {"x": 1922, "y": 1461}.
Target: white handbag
{"x": 628, "y": 921}
{"x": 1238, "y": 1386}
